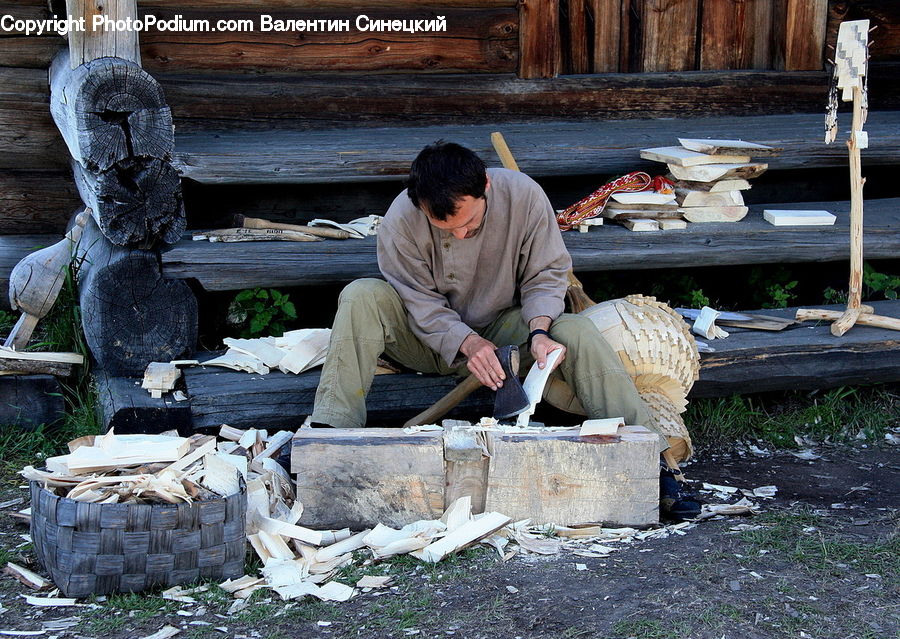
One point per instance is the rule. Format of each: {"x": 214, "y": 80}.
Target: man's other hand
{"x": 483, "y": 362}
{"x": 541, "y": 346}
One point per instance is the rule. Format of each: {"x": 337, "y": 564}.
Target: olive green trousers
{"x": 372, "y": 320}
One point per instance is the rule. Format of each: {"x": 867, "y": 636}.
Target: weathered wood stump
{"x": 113, "y": 117}
{"x": 131, "y": 316}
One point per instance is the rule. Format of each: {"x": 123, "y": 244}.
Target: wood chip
{"x": 371, "y": 581}
{"x": 27, "y": 577}
{"x": 465, "y": 535}
{"x": 335, "y": 591}
{"x": 606, "y": 426}
{"x": 50, "y": 601}
{"x": 163, "y": 633}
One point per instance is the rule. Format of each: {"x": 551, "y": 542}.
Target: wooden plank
{"x": 801, "y": 357}
{"x": 752, "y": 241}
{"x": 805, "y": 34}
{"x": 578, "y": 58}
{"x": 31, "y": 52}
{"x": 361, "y": 477}
{"x": 35, "y": 202}
{"x": 92, "y": 43}
{"x": 562, "y": 478}
{"x": 668, "y": 34}
{"x": 313, "y": 100}
{"x": 539, "y": 39}
{"x": 608, "y": 34}
{"x": 805, "y": 356}
{"x": 558, "y": 148}
{"x": 736, "y": 34}
{"x": 475, "y": 40}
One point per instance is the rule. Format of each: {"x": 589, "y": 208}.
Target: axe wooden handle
{"x": 320, "y": 231}
{"x": 446, "y": 403}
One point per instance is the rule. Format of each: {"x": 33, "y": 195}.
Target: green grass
{"x": 818, "y": 545}
{"x": 835, "y": 415}
{"x": 651, "y": 629}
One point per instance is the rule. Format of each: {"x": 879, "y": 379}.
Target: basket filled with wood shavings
{"x": 123, "y": 513}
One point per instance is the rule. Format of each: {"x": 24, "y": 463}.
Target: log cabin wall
{"x": 496, "y": 62}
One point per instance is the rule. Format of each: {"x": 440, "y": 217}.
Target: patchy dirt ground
{"x": 821, "y": 559}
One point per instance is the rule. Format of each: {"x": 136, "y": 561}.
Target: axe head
{"x": 511, "y": 398}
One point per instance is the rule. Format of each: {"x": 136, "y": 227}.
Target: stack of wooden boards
{"x": 709, "y": 175}
{"x": 645, "y": 211}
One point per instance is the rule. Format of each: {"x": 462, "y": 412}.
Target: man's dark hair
{"x": 443, "y": 173}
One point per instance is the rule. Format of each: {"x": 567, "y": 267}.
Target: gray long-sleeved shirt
{"x": 451, "y": 286}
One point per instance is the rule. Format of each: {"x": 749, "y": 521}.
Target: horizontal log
{"x": 36, "y": 202}
{"x": 125, "y": 407}
{"x": 551, "y": 149}
{"x": 32, "y": 51}
{"x": 220, "y": 267}
{"x": 27, "y": 401}
{"x": 198, "y": 99}
{"x": 475, "y": 40}
{"x": 805, "y": 357}
{"x": 29, "y": 139}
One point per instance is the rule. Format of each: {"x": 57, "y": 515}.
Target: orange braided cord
{"x": 593, "y": 204}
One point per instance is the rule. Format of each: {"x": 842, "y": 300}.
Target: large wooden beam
{"x": 803, "y": 357}
{"x": 361, "y": 477}
{"x": 131, "y": 316}
{"x": 556, "y": 148}
{"x": 115, "y": 122}
{"x": 476, "y": 40}
{"x": 28, "y": 401}
{"x": 222, "y": 267}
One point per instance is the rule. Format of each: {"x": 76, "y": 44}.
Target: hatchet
{"x": 510, "y": 399}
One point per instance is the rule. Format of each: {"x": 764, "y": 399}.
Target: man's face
{"x": 468, "y": 217}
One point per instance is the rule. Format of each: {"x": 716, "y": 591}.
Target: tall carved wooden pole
{"x": 850, "y": 76}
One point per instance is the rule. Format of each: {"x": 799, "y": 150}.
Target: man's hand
{"x": 483, "y": 362}
{"x": 542, "y": 345}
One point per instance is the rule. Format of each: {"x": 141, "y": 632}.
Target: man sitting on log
{"x": 473, "y": 259}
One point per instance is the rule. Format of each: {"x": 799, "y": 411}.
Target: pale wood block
{"x": 778, "y": 217}
{"x": 715, "y": 213}
{"x": 562, "y": 478}
{"x": 673, "y": 224}
{"x": 685, "y": 157}
{"x": 640, "y": 226}
{"x": 713, "y": 172}
{"x": 708, "y": 198}
{"x": 362, "y": 477}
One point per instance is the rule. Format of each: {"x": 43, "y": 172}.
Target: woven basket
{"x": 105, "y": 548}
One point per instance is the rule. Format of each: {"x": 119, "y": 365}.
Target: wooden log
{"x": 539, "y": 39}
{"x": 27, "y": 401}
{"x": 752, "y": 241}
{"x": 562, "y": 478}
{"x": 35, "y": 367}
{"x": 91, "y": 44}
{"x": 109, "y": 110}
{"x": 12, "y": 249}
{"x": 35, "y": 202}
{"x": 127, "y": 327}
{"x": 119, "y": 131}
{"x": 240, "y": 400}
{"x": 479, "y": 40}
{"x": 361, "y": 477}
{"x": 804, "y": 40}
{"x": 125, "y": 407}
{"x": 207, "y": 98}
{"x": 574, "y": 33}
{"x": 466, "y": 466}
{"x": 800, "y": 357}
{"x": 736, "y": 35}
{"x": 668, "y": 34}
{"x": 552, "y": 149}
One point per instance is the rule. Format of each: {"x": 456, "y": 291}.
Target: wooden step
{"x": 805, "y": 356}
{"x": 222, "y": 266}
{"x": 363, "y": 154}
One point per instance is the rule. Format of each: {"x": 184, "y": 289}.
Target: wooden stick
{"x": 865, "y": 319}
{"x": 320, "y": 231}
{"x": 446, "y": 403}
{"x": 506, "y": 156}
{"x": 852, "y": 314}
